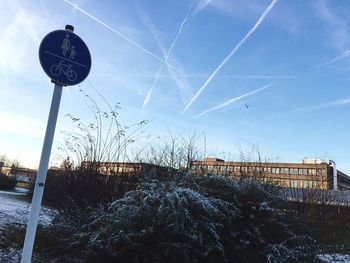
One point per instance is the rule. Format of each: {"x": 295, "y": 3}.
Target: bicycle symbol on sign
{"x": 60, "y": 68}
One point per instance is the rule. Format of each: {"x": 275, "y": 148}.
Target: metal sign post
{"x": 41, "y": 176}
{"x": 66, "y": 59}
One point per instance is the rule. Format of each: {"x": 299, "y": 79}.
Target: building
{"x": 24, "y": 175}
{"x": 311, "y": 173}
{"x": 5, "y": 170}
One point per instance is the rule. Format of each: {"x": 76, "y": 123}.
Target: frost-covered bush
{"x": 190, "y": 219}
{"x": 294, "y": 249}
{"x": 160, "y": 224}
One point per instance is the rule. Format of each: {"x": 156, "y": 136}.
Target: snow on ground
{"x": 328, "y": 258}
{"x": 15, "y": 207}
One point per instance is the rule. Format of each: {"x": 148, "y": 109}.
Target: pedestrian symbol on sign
{"x": 65, "y": 45}
{"x": 72, "y": 52}
{"x": 65, "y": 57}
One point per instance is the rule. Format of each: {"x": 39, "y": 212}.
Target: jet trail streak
{"x": 233, "y": 100}
{"x": 119, "y": 34}
{"x": 344, "y": 55}
{"x": 227, "y": 58}
{"x": 146, "y": 101}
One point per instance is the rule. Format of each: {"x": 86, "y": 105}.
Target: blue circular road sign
{"x": 65, "y": 57}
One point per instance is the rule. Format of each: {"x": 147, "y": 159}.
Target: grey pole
{"x": 335, "y": 175}
{"x": 41, "y": 176}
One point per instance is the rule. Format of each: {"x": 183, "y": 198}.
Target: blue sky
{"x": 189, "y": 66}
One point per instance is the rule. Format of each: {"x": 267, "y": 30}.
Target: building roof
{"x": 314, "y": 195}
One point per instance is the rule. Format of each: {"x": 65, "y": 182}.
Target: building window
{"x": 237, "y": 169}
{"x": 293, "y": 183}
{"x": 302, "y": 171}
{"x": 294, "y": 171}
{"x": 312, "y": 171}
{"x": 284, "y": 183}
{"x": 275, "y": 170}
{"x": 244, "y": 169}
{"x": 302, "y": 184}
{"x": 284, "y": 170}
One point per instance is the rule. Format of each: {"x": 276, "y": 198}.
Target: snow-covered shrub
{"x": 188, "y": 219}
{"x": 266, "y": 219}
{"x": 183, "y": 219}
{"x": 294, "y": 249}
{"x": 163, "y": 224}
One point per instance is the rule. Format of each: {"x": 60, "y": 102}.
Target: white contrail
{"x": 47, "y": 13}
{"x": 331, "y": 104}
{"x": 201, "y": 5}
{"x": 233, "y": 100}
{"x": 251, "y": 31}
{"x": 118, "y": 33}
{"x": 344, "y": 55}
{"x": 149, "y": 93}
{"x": 146, "y": 101}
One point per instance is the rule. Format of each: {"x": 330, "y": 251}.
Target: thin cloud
{"x": 258, "y": 76}
{"x": 17, "y": 40}
{"x": 152, "y": 75}
{"x": 233, "y": 100}
{"x": 119, "y": 34}
{"x": 183, "y": 85}
{"x": 338, "y": 25}
{"x": 227, "y": 58}
{"x": 147, "y": 99}
{"x": 338, "y": 33}
{"x": 331, "y": 104}
{"x": 20, "y": 124}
